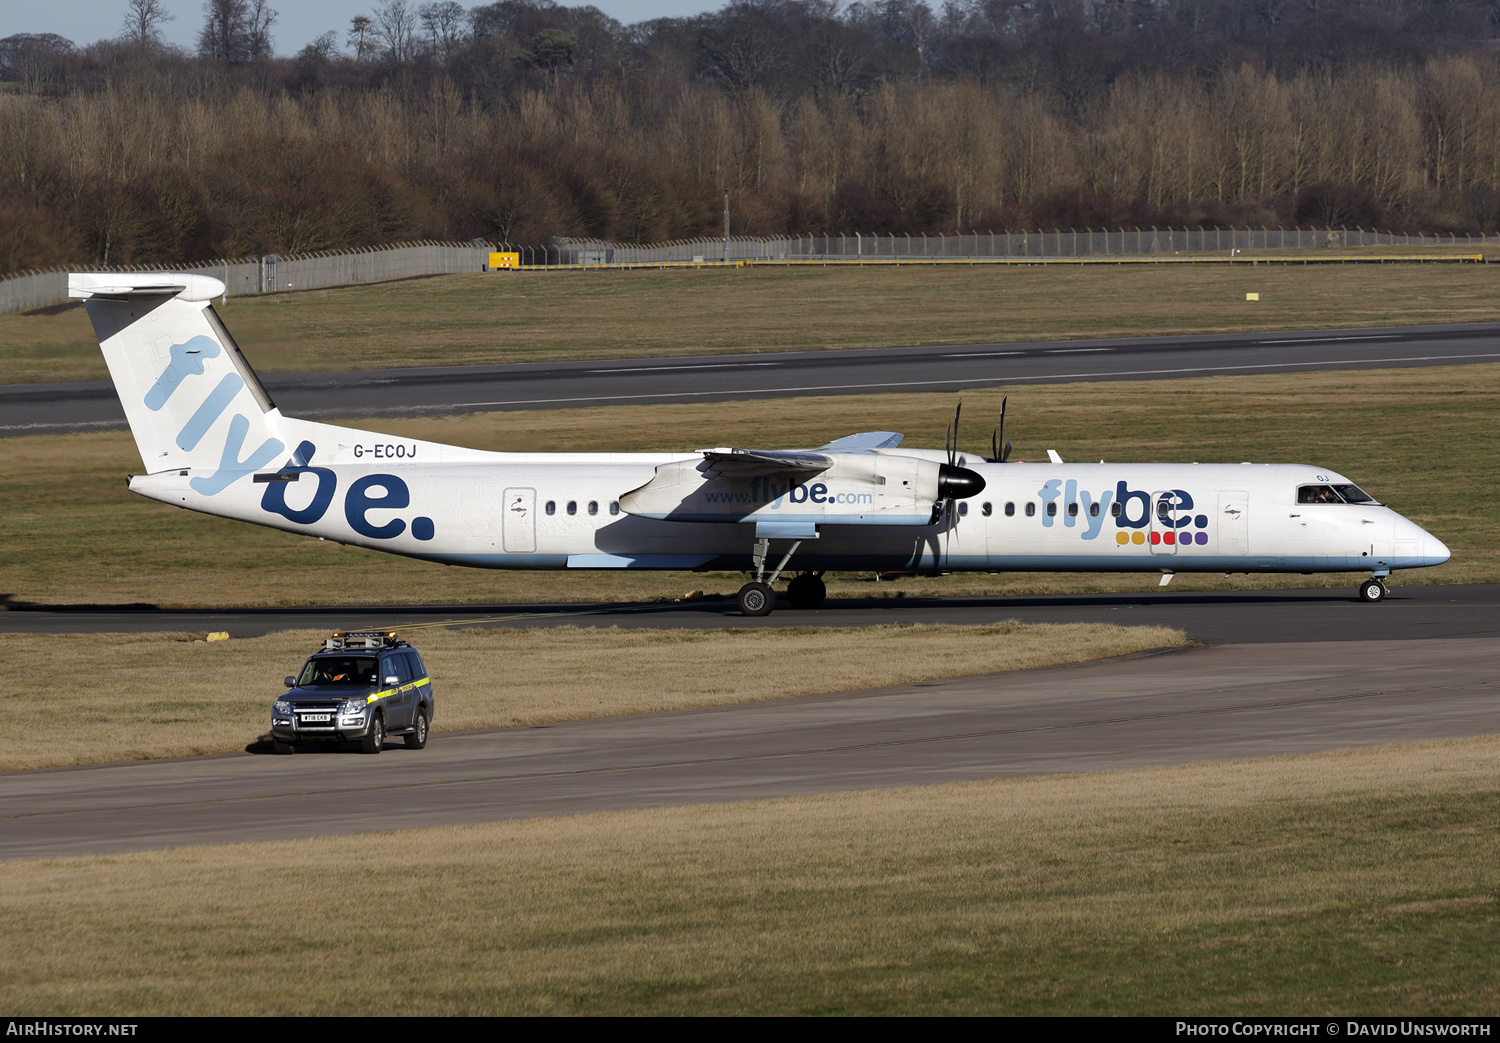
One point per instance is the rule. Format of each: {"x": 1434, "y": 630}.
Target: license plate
{"x": 317, "y": 718}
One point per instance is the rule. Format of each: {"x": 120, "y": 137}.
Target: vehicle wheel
{"x": 756, "y": 599}
{"x": 374, "y": 740}
{"x": 1371, "y": 591}
{"x": 806, "y": 591}
{"x": 282, "y": 748}
{"x": 417, "y": 737}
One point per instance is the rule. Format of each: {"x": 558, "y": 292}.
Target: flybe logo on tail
{"x": 187, "y": 360}
{"x": 1128, "y": 508}
{"x": 368, "y": 493}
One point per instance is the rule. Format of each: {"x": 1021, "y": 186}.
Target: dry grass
{"x": 1358, "y": 882}
{"x": 109, "y": 697}
{"x": 1423, "y": 440}
{"x": 538, "y": 316}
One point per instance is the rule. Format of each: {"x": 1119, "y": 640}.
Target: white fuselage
{"x": 549, "y": 511}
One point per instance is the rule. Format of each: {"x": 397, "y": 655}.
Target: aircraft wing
{"x": 864, "y": 440}
{"x": 747, "y": 463}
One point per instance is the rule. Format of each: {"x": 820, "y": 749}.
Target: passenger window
{"x": 986, "y": 510}
{"x": 1010, "y": 510}
{"x": 1072, "y": 510}
{"x": 551, "y": 506}
{"x": 963, "y": 509}
{"x": 593, "y": 507}
{"x": 1030, "y": 509}
{"x": 1164, "y": 509}
{"x": 1116, "y": 509}
{"x": 614, "y": 507}
{"x": 1052, "y": 509}
{"x": 572, "y": 507}
{"x": 1093, "y": 510}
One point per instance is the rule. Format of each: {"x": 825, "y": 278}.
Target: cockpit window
{"x": 1333, "y": 494}
{"x": 1354, "y": 494}
{"x": 1317, "y": 494}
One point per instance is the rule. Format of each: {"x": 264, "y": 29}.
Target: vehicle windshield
{"x": 1333, "y": 494}
{"x": 338, "y": 670}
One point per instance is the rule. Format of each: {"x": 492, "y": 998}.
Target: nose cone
{"x": 958, "y": 483}
{"x": 1434, "y": 550}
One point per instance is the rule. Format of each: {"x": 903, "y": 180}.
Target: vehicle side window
{"x": 418, "y": 668}
{"x": 396, "y": 664}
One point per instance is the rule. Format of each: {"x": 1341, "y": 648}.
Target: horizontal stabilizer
{"x": 125, "y": 285}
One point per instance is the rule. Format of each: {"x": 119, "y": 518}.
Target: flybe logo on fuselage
{"x": 765, "y": 491}
{"x": 1128, "y": 508}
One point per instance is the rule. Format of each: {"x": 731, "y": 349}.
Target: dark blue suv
{"x": 363, "y": 686}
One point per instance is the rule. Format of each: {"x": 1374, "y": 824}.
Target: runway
{"x": 92, "y": 406}
{"x": 1206, "y": 703}
{"x": 1249, "y": 616}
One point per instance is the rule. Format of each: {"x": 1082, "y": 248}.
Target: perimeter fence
{"x": 277, "y": 274}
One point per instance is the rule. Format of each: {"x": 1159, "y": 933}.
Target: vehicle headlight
{"x": 352, "y": 707}
{"x": 282, "y": 706}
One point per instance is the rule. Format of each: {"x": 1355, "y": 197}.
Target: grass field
{"x": 1358, "y": 882}
{"x": 537, "y": 316}
{"x": 143, "y": 696}
{"x": 1422, "y": 440}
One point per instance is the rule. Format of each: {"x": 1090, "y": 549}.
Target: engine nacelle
{"x": 854, "y": 489}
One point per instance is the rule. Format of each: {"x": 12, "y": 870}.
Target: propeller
{"x": 954, "y": 482}
{"x": 997, "y": 457}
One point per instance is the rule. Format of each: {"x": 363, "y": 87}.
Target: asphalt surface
{"x": 90, "y": 406}
{"x": 1251, "y": 616}
{"x": 1207, "y": 703}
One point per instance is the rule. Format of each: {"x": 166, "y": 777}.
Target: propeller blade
{"x": 1005, "y": 455}
{"x": 1000, "y": 434}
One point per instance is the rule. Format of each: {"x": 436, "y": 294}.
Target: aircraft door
{"x": 1233, "y": 523}
{"x": 518, "y": 525}
{"x": 1163, "y": 535}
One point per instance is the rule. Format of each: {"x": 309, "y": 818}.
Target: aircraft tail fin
{"x": 190, "y": 396}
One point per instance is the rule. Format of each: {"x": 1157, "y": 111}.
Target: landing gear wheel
{"x": 756, "y": 599}
{"x": 417, "y": 737}
{"x": 374, "y": 740}
{"x": 1371, "y": 591}
{"x": 806, "y": 591}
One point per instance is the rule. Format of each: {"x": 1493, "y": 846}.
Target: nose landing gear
{"x": 1372, "y": 590}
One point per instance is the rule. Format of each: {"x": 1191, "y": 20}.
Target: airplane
{"x": 211, "y": 440}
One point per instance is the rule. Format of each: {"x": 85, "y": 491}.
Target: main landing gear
{"x": 757, "y": 598}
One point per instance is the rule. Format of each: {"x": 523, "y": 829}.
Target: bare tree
{"x": 258, "y": 21}
{"x": 443, "y": 21}
{"x": 143, "y": 21}
{"x": 236, "y": 31}
{"x": 396, "y": 29}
